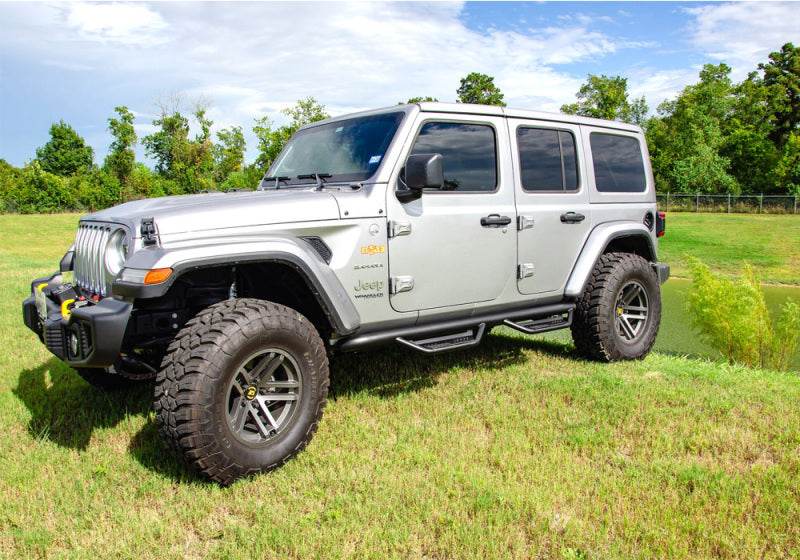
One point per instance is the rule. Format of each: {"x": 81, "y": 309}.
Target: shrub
{"x": 40, "y": 192}
{"x": 732, "y": 316}
{"x": 96, "y": 190}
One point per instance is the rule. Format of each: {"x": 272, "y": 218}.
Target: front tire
{"x": 618, "y": 315}
{"x": 242, "y": 389}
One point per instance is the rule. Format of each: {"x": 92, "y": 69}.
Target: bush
{"x": 40, "y": 192}
{"x": 732, "y": 317}
{"x": 96, "y": 190}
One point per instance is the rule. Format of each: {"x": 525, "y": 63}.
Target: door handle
{"x": 572, "y": 218}
{"x": 495, "y": 220}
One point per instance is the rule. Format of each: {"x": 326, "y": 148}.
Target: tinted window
{"x": 618, "y": 164}
{"x": 547, "y": 160}
{"x": 468, "y": 152}
{"x": 348, "y": 150}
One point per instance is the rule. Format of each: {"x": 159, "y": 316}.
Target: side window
{"x": 468, "y": 151}
{"x": 618, "y": 164}
{"x": 547, "y": 160}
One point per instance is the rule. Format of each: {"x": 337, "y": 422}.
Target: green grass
{"x": 515, "y": 449}
{"x": 770, "y": 243}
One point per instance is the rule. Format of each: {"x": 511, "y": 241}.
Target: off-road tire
{"x": 607, "y": 326}
{"x": 205, "y": 380}
{"x": 122, "y": 375}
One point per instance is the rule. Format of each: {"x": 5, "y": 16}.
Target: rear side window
{"x": 468, "y": 153}
{"x": 618, "y": 163}
{"x": 547, "y": 160}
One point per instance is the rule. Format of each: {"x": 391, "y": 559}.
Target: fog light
{"x": 74, "y": 344}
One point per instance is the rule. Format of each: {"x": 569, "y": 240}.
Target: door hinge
{"x": 399, "y": 284}
{"x": 524, "y": 222}
{"x": 396, "y": 229}
{"x": 525, "y": 270}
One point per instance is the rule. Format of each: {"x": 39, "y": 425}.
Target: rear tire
{"x": 242, "y": 389}
{"x": 618, "y": 315}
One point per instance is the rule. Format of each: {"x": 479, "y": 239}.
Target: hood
{"x": 210, "y": 211}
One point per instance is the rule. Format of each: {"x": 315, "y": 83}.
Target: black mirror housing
{"x": 424, "y": 171}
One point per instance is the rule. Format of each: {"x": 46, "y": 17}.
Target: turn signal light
{"x": 157, "y": 275}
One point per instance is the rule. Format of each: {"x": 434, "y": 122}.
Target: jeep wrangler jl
{"x": 424, "y": 224}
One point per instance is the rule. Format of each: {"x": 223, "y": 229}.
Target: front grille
{"x": 90, "y": 252}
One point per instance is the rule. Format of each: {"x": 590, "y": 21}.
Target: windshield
{"x": 341, "y": 151}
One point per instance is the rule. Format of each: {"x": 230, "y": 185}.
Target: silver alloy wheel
{"x": 263, "y": 396}
{"x": 630, "y": 311}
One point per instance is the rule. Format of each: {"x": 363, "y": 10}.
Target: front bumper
{"x": 88, "y": 336}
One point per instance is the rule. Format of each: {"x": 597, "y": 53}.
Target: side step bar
{"x": 536, "y": 326}
{"x": 446, "y": 343}
{"x": 466, "y": 332}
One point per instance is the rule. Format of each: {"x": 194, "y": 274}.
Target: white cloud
{"x": 254, "y": 59}
{"x": 129, "y": 24}
{"x": 742, "y": 34}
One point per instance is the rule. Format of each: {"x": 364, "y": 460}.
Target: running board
{"x": 544, "y": 324}
{"x": 446, "y": 343}
{"x": 416, "y": 333}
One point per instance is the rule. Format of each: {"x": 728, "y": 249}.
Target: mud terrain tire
{"x": 242, "y": 389}
{"x": 618, "y": 315}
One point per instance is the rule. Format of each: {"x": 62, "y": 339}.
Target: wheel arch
{"x": 307, "y": 280}
{"x": 607, "y": 238}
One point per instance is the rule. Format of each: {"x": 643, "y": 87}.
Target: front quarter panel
{"x": 274, "y": 248}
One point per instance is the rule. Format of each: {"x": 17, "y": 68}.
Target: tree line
{"x": 715, "y": 137}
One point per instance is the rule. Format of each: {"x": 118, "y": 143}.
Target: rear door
{"x": 555, "y": 217}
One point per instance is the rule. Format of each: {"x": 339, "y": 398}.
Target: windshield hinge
{"x": 148, "y": 231}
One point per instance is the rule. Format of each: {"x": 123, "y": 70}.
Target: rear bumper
{"x": 662, "y": 271}
{"x": 89, "y": 336}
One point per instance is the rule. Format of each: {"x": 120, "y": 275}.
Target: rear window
{"x": 547, "y": 160}
{"x": 618, "y": 163}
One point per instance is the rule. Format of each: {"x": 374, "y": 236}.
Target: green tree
{"x": 121, "y": 156}
{"x": 479, "y": 88}
{"x": 165, "y": 145}
{"x": 66, "y": 153}
{"x": 187, "y": 162}
{"x": 787, "y": 170}
{"x": 604, "y": 97}
{"x": 272, "y": 140}
{"x": 418, "y": 100}
{"x": 782, "y": 77}
{"x": 228, "y": 153}
{"x": 685, "y": 142}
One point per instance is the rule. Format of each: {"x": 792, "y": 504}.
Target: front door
{"x": 455, "y": 245}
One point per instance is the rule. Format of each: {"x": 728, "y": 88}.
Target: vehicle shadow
{"x": 66, "y": 410}
{"x": 392, "y": 370}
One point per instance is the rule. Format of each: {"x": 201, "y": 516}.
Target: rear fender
{"x": 599, "y": 240}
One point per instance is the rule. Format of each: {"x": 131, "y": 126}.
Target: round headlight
{"x": 116, "y": 252}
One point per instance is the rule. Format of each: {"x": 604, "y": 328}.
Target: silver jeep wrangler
{"x": 424, "y": 224}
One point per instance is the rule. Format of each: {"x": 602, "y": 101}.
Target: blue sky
{"x": 76, "y": 61}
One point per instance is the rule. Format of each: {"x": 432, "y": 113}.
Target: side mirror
{"x": 423, "y": 171}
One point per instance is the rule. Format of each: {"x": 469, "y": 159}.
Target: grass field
{"x": 515, "y": 449}
{"x": 770, "y": 243}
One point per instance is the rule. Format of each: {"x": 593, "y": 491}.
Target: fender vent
{"x": 320, "y": 247}
{"x": 649, "y": 221}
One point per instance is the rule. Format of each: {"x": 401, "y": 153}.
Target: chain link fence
{"x": 730, "y": 204}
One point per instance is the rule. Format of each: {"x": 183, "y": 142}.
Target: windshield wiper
{"x": 278, "y": 180}
{"x": 318, "y": 177}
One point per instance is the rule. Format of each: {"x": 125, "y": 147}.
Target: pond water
{"x": 676, "y": 335}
